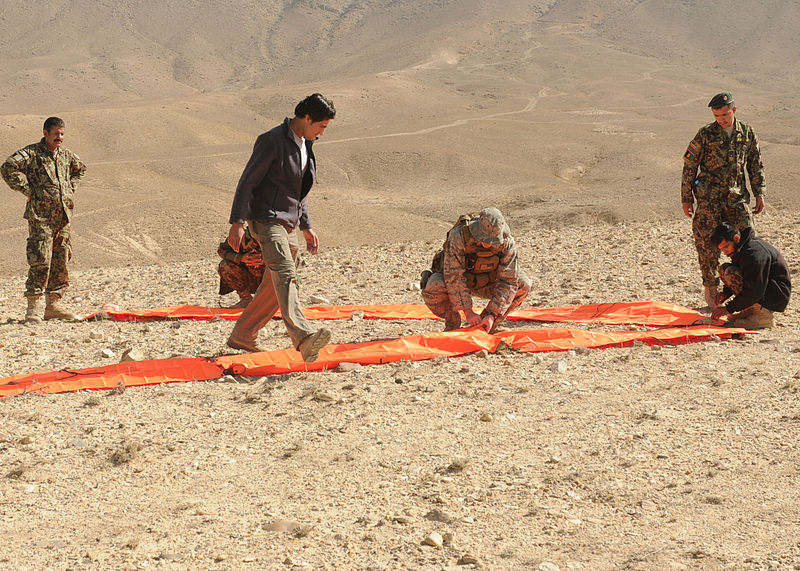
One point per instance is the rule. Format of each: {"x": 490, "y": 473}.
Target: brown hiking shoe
{"x": 310, "y": 346}
{"x": 754, "y": 317}
{"x": 34, "y": 312}
{"x": 243, "y": 344}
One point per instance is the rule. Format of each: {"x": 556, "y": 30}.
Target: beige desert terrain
{"x": 571, "y": 117}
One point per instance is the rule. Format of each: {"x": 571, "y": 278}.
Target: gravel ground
{"x": 679, "y": 457}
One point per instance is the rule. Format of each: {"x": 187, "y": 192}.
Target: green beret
{"x": 721, "y": 100}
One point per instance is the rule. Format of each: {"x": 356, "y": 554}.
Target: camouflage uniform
{"x": 451, "y": 290}
{"x": 234, "y": 275}
{"x": 48, "y": 179}
{"x": 714, "y": 175}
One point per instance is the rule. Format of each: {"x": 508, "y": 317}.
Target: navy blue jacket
{"x": 272, "y": 187}
{"x": 764, "y": 272}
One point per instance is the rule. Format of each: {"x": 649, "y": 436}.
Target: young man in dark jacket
{"x": 271, "y": 197}
{"x": 757, "y": 277}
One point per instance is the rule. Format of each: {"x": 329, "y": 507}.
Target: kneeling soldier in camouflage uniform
{"x": 47, "y": 175}
{"x": 757, "y": 276}
{"x": 241, "y": 271}
{"x": 479, "y": 258}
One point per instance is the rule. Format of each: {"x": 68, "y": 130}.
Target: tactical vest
{"x": 481, "y": 265}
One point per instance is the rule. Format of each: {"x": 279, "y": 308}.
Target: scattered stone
{"x": 108, "y": 353}
{"x": 26, "y": 440}
{"x": 319, "y": 300}
{"x": 131, "y": 355}
{"x": 439, "y": 515}
{"x": 458, "y": 465}
{"x": 413, "y": 286}
{"x": 402, "y": 519}
{"x": 95, "y": 555}
{"x": 118, "y": 390}
{"x": 97, "y": 335}
{"x": 649, "y": 505}
{"x": 168, "y": 556}
{"x": 323, "y": 397}
{"x": 483, "y": 354}
{"x": 558, "y": 366}
{"x": 127, "y": 451}
{"x": 79, "y": 443}
{"x": 468, "y": 559}
{"x": 434, "y": 539}
{"x": 283, "y": 525}
{"x": 548, "y": 566}
{"x": 347, "y": 367}
{"x": 357, "y": 315}
{"x": 486, "y": 417}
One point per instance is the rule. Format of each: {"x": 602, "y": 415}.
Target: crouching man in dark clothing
{"x": 757, "y": 277}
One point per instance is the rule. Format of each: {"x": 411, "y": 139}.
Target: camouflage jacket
{"x": 457, "y": 274}
{"x": 718, "y": 164}
{"x": 47, "y": 178}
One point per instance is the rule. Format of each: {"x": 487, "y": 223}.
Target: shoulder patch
{"x": 691, "y": 152}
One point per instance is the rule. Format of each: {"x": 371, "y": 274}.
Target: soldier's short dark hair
{"x": 51, "y": 122}
{"x": 317, "y": 106}
{"x": 725, "y": 231}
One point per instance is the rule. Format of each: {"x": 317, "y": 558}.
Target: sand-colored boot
{"x": 35, "y": 310}
{"x": 754, "y": 317}
{"x": 53, "y": 309}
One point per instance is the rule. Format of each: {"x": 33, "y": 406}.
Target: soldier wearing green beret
{"x": 716, "y": 165}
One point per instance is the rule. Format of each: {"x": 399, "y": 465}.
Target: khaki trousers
{"x": 278, "y": 289}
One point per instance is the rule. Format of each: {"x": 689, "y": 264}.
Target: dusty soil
{"x": 668, "y": 457}
{"x": 571, "y": 117}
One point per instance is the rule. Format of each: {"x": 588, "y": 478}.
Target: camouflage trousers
{"x": 754, "y": 316}
{"x": 239, "y": 277}
{"x": 731, "y": 276}
{"x": 48, "y": 250}
{"x": 438, "y": 300}
{"x": 707, "y": 217}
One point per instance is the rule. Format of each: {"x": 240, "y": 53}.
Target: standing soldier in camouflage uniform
{"x": 714, "y": 175}
{"x": 47, "y": 175}
{"x": 241, "y": 271}
{"x": 479, "y": 258}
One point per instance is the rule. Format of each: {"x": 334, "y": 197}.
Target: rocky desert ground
{"x": 569, "y": 117}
